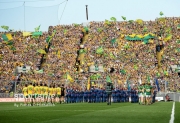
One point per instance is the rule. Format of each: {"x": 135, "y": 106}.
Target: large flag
{"x": 5, "y": 27}
{"x": 157, "y": 84}
{"x": 27, "y": 34}
{"x": 7, "y": 37}
{"x": 37, "y": 33}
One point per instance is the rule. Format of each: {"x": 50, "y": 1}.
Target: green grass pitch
{"x": 159, "y": 112}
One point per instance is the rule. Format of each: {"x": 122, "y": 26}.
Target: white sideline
{"x": 172, "y": 114}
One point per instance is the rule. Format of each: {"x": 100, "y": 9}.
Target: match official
{"x": 109, "y": 89}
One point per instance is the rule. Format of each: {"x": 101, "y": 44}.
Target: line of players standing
{"x": 97, "y": 95}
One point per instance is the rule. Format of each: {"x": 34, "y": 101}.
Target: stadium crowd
{"x": 104, "y": 43}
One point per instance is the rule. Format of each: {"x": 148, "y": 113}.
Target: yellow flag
{"x": 41, "y": 51}
{"x": 88, "y": 84}
{"x": 58, "y": 54}
{"x": 139, "y": 21}
{"x": 26, "y": 34}
{"x": 70, "y": 78}
{"x": 9, "y": 36}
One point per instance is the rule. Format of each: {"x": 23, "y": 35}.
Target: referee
{"x": 109, "y": 89}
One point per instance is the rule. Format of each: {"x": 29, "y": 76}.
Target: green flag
{"x": 5, "y": 27}
{"x": 37, "y": 33}
{"x": 178, "y": 41}
{"x": 13, "y": 48}
{"x": 107, "y": 22}
{"x": 99, "y": 50}
{"x": 48, "y": 39}
{"x": 113, "y": 18}
{"x": 37, "y": 28}
{"x": 9, "y": 42}
{"x": 113, "y": 41}
{"x": 108, "y": 79}
{"x": 135, "y": 67}
{"x": 148, "y": 78}
{"x": 161, "y": 13}
{"x": 178, "y": 27}
{"x": 122, "y": 71}
{"x": 131, "y": 21}
{"x": 86, "y": 29}
{"x": 99, "y": 30}
{"x": 81, "y": 51}
{"x": 145, "y": 29}
{"x": 5, "y": 38}
{"x": 40, "y": 71}
{"x": 124, "y": 18}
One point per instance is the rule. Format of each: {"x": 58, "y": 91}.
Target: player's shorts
{"x": 62, "y": 95}
{"x": 30, "y": 95}
{"x": 148, "y": 95}
{"x": 58, "y": 95}
{"x": 25, "y": 96}
{"x": 52, "y": 96}
{"x": 39, "y": 96}
{"x": 143, "y": 94}
{"x": 35, "y": 95}
{"x": 45, "y": 95}
{"x": 140, "y": 95}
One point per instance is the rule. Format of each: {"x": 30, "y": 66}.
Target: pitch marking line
{"x": 172, "y": 114}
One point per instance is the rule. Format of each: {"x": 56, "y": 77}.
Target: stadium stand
{"x": 134, "y": 52}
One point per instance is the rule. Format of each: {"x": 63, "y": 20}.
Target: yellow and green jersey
{"x": 54, "y": 90}
{"x": 25, "y": 91}
{"x": 36, "y": 89}
{"x": 30, "y": 89}
{"x": 46, "y": 90}
{"x": 42, "y": 90}
{"x": 50, "y": 91}
{"x": 39, "y": 90}
{"x": 58, "y": 90}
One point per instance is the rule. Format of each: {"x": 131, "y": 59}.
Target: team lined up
{"x": 41, "y": 93}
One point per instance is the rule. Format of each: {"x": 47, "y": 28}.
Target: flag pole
{"x": 24, "y": 18}
{"x": 87, "y": 14}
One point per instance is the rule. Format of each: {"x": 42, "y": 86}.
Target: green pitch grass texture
{"x": 90, "y": 113}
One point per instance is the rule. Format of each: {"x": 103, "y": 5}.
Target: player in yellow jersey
{"x": 51, "y": 93}
{"x": 46, "y": 90}
{"x": 58, "y": 90}
{"x": 25, "y": 92}
{"x": 30, "y": 93}
{"x": 39, "y": 93}
{"x": 36, "y": 88}
{"x": 42, "y": 92}
{"x": 54, "y": 94}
